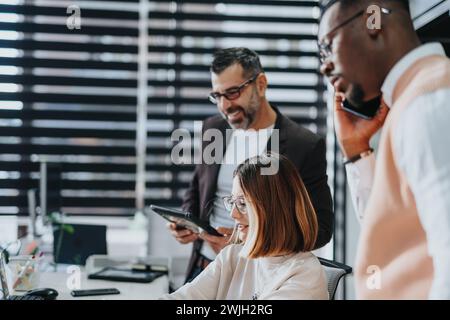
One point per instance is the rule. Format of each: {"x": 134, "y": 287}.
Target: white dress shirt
{"x": 243, "y": 144}
{"x": 422, "y": 144}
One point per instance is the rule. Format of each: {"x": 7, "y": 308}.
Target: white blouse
{"x": 297, "y": 276}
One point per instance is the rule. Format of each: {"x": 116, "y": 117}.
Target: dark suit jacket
{"x": 304, "y": 148}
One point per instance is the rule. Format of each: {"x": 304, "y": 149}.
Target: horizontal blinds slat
{"x": 68, "y": 46}
{"x": 205, "y": 68}
{"x": 30, "y": 27}
{"x": 97, "y": 202}
{"x": 180, "y": 16}
{"x": 67, "y": 115}
{"x": 161, "y": 151}
{"x": 26, "y": 62}
{"x": 274, "y": 3}
{"x": 201, "y": 50}
{"x": 174, "y": 202}
{"x": 207, "y": 85}
{"x": 67, "y": 98}
{"x": 28, "y": 149}
{"x": 101, "y": 212}
{"x": 70, "y": 184}
{"x": 100, "y": 2}
{"x": 93, "y": 167}
{"x": 31, "y": 10}
{"x": 74, "y": 81}
{"x": 217, "y": 34}
{"x": 171, "y": 185}
{"x": 171, "y": 168}
{"x": 193, "y": 117}
{"x": 199, "y": 101}
{"x": 28, "y": 167}
{"x": 66, "y": 133}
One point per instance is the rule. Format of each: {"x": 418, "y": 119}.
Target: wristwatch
{"x": 358, "y": 157}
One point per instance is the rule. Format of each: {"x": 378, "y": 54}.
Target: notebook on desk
{"x": 125, "y": 275}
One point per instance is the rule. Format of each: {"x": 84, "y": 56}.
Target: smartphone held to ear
{"x": 367, "y": 110}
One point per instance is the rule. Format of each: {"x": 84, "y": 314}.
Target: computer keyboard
{"x": 25, "y": 297}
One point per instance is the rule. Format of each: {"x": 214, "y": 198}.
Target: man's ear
{"x": 261, "y": 84}
{"x": 373, "y": 17}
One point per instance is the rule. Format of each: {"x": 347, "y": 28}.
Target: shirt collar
{"x": 404, "y": 64}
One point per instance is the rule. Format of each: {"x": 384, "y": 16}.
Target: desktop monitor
{"x": 74, "y": 243}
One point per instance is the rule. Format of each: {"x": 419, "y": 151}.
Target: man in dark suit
{"x": 239, "y": 90}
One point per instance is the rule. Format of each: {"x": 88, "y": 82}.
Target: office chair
{"x": 334, "y": 271}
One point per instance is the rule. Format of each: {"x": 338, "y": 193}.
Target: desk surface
{"x": 63, "y": 282}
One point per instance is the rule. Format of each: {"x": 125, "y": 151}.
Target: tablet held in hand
{"x": 185, "y": 219}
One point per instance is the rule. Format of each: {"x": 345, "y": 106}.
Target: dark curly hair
{"x": 248, "y": 59}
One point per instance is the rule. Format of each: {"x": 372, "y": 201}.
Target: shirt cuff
{"x": 363, "y": 171}
{"x": 360, "y": 178}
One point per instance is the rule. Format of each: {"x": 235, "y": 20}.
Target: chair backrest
{"x": 334, "y": 271}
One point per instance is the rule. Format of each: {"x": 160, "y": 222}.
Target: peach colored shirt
{"x": 421, "y": 155}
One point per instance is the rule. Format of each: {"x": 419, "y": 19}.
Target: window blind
{"x": 68, "y": 97}
{"x": 183, "y": 35}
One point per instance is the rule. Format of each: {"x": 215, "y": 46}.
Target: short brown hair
{"x": 286, "y": 220}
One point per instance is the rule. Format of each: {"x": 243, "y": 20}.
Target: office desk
{"x": 61, "y": 281}
{"x": 121, "y": 241}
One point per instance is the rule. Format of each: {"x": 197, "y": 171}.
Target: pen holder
{"x": 26, "y": 273}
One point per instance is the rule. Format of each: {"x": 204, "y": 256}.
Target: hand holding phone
{"x": 179, "y": 227}
{"x": 355, "y": 129}
{"x": 367, "y": 110}
{"x": 181, "y": 233}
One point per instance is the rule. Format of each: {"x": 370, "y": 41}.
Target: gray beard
{"x": 249, "y": 114}
{"x": 245, "y": 124}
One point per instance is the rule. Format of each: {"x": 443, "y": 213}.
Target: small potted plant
{"x": 58, "y": 224}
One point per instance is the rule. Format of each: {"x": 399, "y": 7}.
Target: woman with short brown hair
{"x": 276, "y": 228}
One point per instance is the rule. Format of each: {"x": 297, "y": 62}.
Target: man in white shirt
{"x": 414, "y": 154}
{"x": 239, "y": 90}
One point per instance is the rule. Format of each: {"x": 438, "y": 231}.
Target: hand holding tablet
{"x": 185, "y": 220}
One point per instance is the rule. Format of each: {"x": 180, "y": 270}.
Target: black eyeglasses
{"x": 239, "y": 202}
{"x": 232, "y": 93}
{"x": 325, "y": 48}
